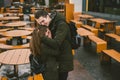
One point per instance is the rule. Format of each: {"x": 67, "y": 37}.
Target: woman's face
{"x": 44, "y": 21}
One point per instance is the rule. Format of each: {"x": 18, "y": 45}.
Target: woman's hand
{"x": 48, "y": 33}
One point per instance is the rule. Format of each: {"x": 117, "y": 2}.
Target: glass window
{"x": 104, "y": 6}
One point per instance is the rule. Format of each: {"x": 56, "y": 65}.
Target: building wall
{"x": 77, "y": 5}
{"x": 47, "y": 2}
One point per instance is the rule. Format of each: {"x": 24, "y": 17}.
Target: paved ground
{"x": 86, "y": 67}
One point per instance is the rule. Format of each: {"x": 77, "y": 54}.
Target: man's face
{"x": 45, "y": 21}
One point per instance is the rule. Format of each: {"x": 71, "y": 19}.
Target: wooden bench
{"x": 3, "y": 78}
{"x": 36, "y": 77}
{"x": 100, "y": 44}
{"x": 112, "y": 35}
{"x": 106, "y": 56}
{"x": 90, "y": 28}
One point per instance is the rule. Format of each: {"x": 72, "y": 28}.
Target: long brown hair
{"x": 35, "y": 42}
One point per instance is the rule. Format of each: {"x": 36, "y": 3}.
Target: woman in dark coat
{"x": 44, "y": 54}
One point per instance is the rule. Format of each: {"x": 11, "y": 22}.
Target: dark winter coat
{"x": 61, "y": 35}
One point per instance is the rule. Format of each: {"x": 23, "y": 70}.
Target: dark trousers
{"x": 63, "y": 75}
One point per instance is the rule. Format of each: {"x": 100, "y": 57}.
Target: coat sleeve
{"x": 60, "y": 36}
{"x": 50, "y": 51}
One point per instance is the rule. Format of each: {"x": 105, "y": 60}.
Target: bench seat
{"x": 112, "y": 35}
{"x": 100, "y": 44}
{"x": 3, "y": 78}
{"x": 106, "y": 55}
{"x": 90, "y": 28}
{"x": 36, "y": 77}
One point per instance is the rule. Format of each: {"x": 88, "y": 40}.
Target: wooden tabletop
{"x": 9, "y": 14}
{"x": 85, "y": 16}
{"x": 16, "y": 24}
{"x": 5, "y": 46}
{"x": 84, "y": 32}
{"x": 9, "y": 18}
{"x": 26, "y": 28}
{"x": 101, "y": 21}
{"x": 16, "y": 33}
{"x": 8, "y": 47}
{"x": 3, "y": 30}
{"x": 15, "y": 57}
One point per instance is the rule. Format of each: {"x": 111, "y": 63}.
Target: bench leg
{"x": 105, "y": 59}
{"x": 86, "y": 41}
{"x": 100, "y": 47}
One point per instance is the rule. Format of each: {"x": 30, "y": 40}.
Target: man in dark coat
{"x": 60, "y": 38}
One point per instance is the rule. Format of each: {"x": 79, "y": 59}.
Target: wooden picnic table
{"x": 100, "y": 20}
{"x": 15, "y": 57}
{"x": 107, "y": 25}
{"x": 85, "y": 17}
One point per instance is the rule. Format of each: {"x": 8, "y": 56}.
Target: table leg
{"x": 1, "y": 65}
{"x": 16, "y": 70}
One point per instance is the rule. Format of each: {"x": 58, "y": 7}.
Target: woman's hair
{"x": 35, "y": 42}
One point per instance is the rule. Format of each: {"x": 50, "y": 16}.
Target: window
{"x": 104, "y": 6}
